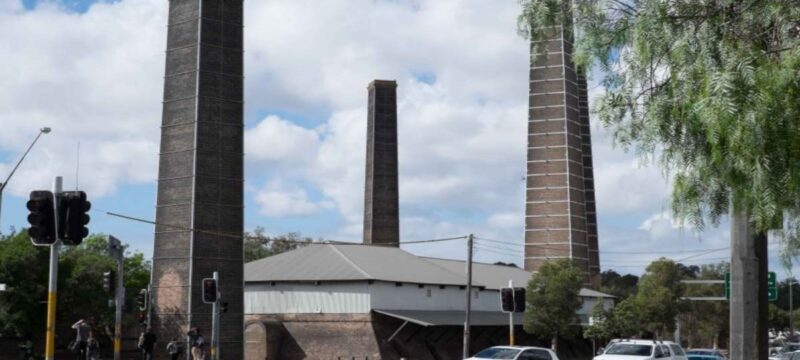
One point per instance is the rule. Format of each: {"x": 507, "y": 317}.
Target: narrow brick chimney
{"x": 560, "y": 218}
{"x": 381, "y": 207}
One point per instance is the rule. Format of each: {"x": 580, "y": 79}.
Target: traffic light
{"x": 74, "y": 217}
{"x": 507, "y": 299}
{"x": 209, "y": 291}
{"x": 42, "y": 218}
{"x": 223, "y": 307}
{"x": 108, "y": 282}
{"x": 141, "y": 300}
{"x": 519, "y": 299}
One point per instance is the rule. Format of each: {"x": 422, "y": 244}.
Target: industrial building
{"x": 346, "y": 301}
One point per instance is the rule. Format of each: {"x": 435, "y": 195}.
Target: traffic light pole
{"x": 115, "y": 250}
{"x": 215, "y": 323}
{"x": 50, "y": 341}
{"x": 511, "y": 320}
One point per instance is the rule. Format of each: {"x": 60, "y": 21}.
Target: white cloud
{"x": 277, "y": 141}
{"x": 278, "y": 199}
{"x": 95, "y": 78}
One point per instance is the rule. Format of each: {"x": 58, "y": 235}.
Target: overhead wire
{"x": 244, "y": 236}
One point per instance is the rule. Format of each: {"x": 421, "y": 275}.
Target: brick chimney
{"x": 381, "y": 207}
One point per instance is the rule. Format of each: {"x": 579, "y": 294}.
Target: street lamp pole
{"x": 44, "y": 130}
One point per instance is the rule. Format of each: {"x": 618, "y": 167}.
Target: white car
{"x": 515, "y": 353}
{"x": 642, "y": 350}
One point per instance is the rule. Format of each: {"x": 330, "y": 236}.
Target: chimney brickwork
{"x": 200, "y": 183}
{"x": 560, "y": 219}
{"x": 381, "y": 205}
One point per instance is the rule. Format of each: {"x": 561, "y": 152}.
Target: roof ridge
{"x": 351, "y": 262}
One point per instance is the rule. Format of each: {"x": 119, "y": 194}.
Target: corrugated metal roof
{"x": 348, "y": 262}
{"x": 488, "y": 275}
{"x": 340, "y": 262}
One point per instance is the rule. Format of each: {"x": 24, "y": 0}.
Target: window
{"x": 630, "y": 349}
{"x": 476, "y": 294}
{"x": 429, "y": 292}
{"x": 676, "y": 350}
{"x": 535, "y": 354}
{"x": 497, "y": 353}
{"x": 659, "y": 352}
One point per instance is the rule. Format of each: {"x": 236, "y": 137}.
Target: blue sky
{"x": 92, "y": 70}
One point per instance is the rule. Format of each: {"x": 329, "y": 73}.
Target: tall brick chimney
{"x": 560, "y": 219}
{"x": 381, "y": 206}
{"x": 200, "y": 177}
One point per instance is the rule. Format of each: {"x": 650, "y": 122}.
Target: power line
{"x": 243, "y": 236}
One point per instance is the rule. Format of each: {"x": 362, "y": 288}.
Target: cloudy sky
{"x": 92, "y": 70}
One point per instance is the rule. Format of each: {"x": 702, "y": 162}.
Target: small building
{"x": 353, "y": 301}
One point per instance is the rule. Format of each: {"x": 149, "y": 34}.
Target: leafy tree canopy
{"x": 552, "y": 299}
{"x": 708, "y": 89}
{"x": 258, "y": 244}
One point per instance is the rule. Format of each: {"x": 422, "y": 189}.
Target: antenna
{"x": 78, "y": 167}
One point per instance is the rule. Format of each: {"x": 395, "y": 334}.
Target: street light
{"x": 44, "y": 130}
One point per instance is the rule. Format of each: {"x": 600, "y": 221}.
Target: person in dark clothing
{"x": 147, "y": 342}
{"x": 82, "y": 330}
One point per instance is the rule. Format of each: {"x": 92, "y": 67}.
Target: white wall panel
{"x": 298, "y": 298}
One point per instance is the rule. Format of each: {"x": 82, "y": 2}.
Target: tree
{"x": 705, "y": 323}
{"x": 552, "y": 300}
{"x": 709, "y": 90}
{"x": 621, "y": 286}
{"x": 24, "y": 268}
{"x": 258, "y": 245}
{"x": 658, "y": 300}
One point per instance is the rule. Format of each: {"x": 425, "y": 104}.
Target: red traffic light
{"x": 209, "y": 291}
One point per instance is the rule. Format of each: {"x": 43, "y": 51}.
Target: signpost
{"x": 772, "y": 289}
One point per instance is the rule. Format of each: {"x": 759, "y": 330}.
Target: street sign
{"x": 772, "y": 288}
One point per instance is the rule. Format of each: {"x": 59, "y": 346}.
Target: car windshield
{"x": 497, "y": 353}
{"x": 791, "y": 348}
{"x": 630, "y": 349}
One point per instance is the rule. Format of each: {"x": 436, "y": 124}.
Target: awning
{"x": 451, "y": 318}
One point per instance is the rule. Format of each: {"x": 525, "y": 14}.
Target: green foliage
{"x": 552, "y": 299}
{"x": 658, "y": 300}
{"x": 778, "y": 318}
{"x": 24, "y": 269}
{"x": 258, "y": 245}
{"x": 708, "y": 89}
{"x": 621, "y": 286}
{"x": 706, "y": 323}
{"x": 80, "y": 291}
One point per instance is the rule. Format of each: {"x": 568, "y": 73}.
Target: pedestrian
{"x": 198, "y": 344}
{"x": 92, "y": 347}
{"x": 174, "y": 349}
{"x": 82, "y": 329}
{"x": 147, "y": 342}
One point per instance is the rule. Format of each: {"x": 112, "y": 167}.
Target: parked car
{"x": 642, "y": 350}
{"x": 713, "y": 353}
{"x": 515, "y": 353}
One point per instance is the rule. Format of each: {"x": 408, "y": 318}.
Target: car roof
{"x": 520, "y": 347}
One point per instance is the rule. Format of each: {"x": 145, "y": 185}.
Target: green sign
{"x": 772, "y": 289}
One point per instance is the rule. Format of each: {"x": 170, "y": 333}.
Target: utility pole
{"x": 50, "y": 341}
{"x": 748, "y": 300}
{"x": 115, "y": 251}
{"x": 511, "y": 319}
{"x": 469, "y": 296}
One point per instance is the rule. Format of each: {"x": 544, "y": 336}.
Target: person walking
{"x": 174, "y": 349}
{"x": 92, "y": 347}
{"x": 82, "y": 329}
{"x": 147, "y": 342}
{"x": 198, "y": 344}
